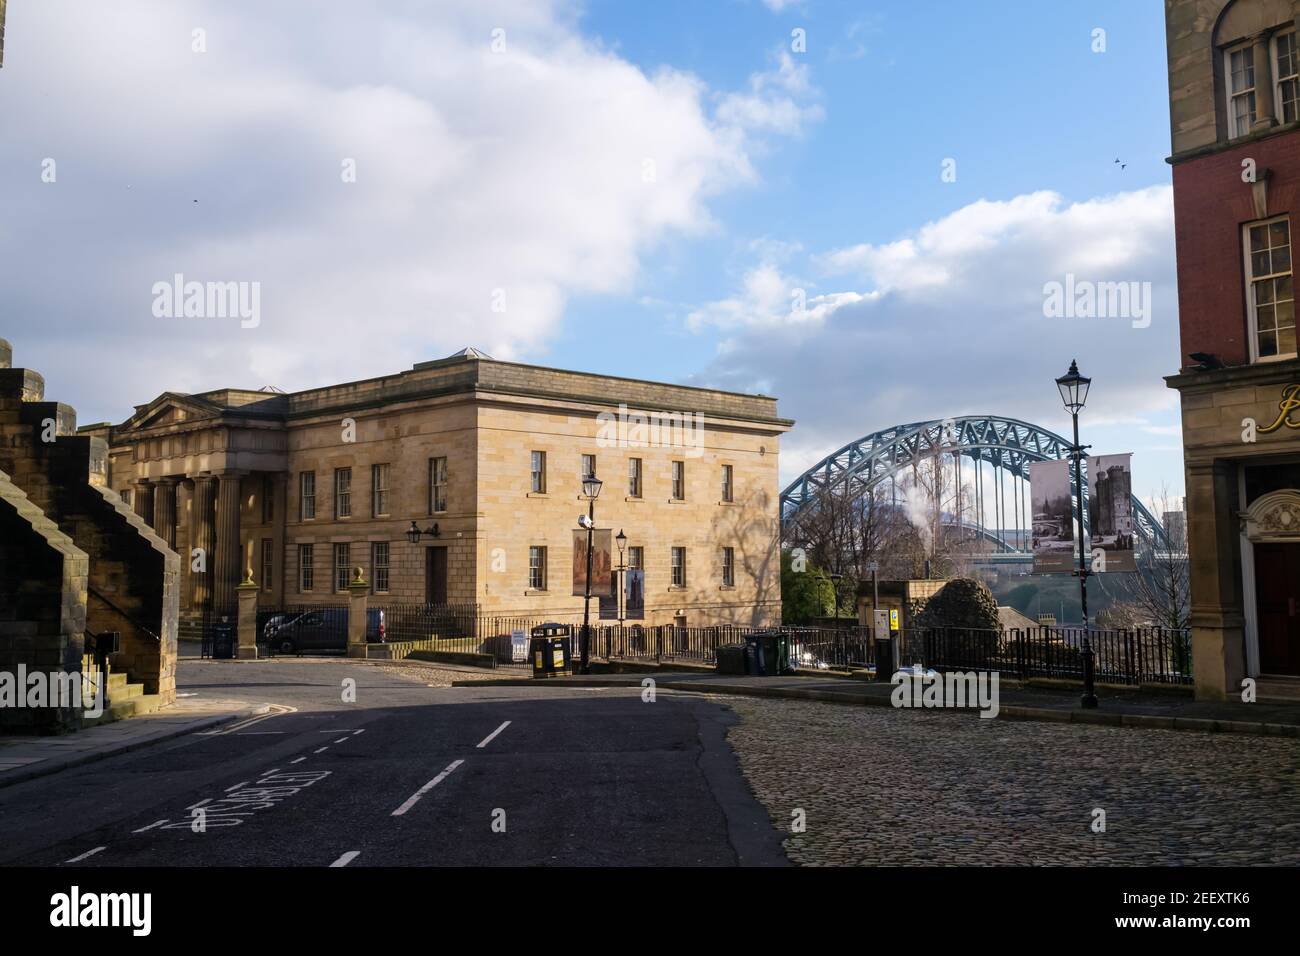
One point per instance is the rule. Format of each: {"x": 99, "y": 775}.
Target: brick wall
{"x": 1211, "y": 203}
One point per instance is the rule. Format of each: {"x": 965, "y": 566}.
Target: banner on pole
{"x": 1053, "y": 517}
{"x": 1111, "y": 525}
{"x": 602, "y": 563}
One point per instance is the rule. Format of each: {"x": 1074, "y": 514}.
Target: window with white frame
{"x": 342, "y": 564}
{"x": 378, "y": 490}
{"x": 679, "y": 480}
{"x": 1270, "y": 297}
{"x": 728, "y": 567}
{"x": 306, "y": 575}
{"x": 634, "y": 477}
{"x": 1286, "y": 73}
{"x": 679, "y": 567}
{"x": 1239, "y": 69}
{"x": 306, "y": 495}
{"x": 342, "y": 492}
{"x": 379, "y": 565}
{"x": 636, "y": 557}
{"x": 588, "y": 467}
{"x": 437, "y": 485}
{"x": 537, "y": 568}
{"x": 728, "y": 492}
{"x": 539, "y": 472}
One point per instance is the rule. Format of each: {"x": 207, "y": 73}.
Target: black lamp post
{"x": 1074, "y": 393}
{"x": 836, "y": 577}
{"x": 620, "y": 540}
{"x": 591, "y": 491}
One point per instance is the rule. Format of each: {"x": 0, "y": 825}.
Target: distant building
{"x": 1175, "y": 523}
{"x": 488, "y": 456}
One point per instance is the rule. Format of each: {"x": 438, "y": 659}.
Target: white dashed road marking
{"x": 346, "y": 858}
{"x": 88, "y": 853}
{"x": 488, "y": 739}
{"x": 415, "y": 797}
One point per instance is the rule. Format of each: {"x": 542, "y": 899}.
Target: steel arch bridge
{"x": 1007, "y": 445}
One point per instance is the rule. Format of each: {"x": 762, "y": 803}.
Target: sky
{"x": 855, "y": 207}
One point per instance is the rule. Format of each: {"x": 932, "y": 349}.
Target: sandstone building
{"x": 301, "y": 488}
{"x": 1234, "y": 98}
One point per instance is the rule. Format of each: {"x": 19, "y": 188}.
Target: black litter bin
{"x": 884, "y": 658}
{"x": 550, "y": 649}
{"x": 225, "y": 638}
{"x": 730, "y": 659}
{"x": 767, "y": 653}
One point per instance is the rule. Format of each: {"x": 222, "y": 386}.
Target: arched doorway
{"x": 1272, "y": 530}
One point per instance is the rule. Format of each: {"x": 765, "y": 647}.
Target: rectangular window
{"x": 728, "y": 493}
{"x": 307, "y": 496}
{"x": 1270, "y": 297}
{"x": 1240, "y": 68}
{"x": 268, "y": 499}
{"x": 636, "y": 557}
{"x": 634, "y": 477}
{"x": 588, "y": 467}
{"x": 1288, "y": 77}
{"x": 378, "y": 490}
{"x": 679, "y": 480}
{"x": 125, "y": 495}
{"x": 379, "y": 565}
{"x": 679, "y": 567}
{"x": 729, "y": 567}
{"x": 342, "y": 566}
{"x": 306, "y": 577}
{"x": 268, "y": 563}
{"x": 539, "y": 472}
{"x": 342, "y": 492}
{"x": 537, "y": 568}
{"x": 437, "y": 485}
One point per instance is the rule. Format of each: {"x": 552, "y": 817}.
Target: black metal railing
{"x": 1143, "y": 655}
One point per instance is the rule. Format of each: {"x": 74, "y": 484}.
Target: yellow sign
{"x": 893, "y": 619}
{"x": 1290, "y": 402}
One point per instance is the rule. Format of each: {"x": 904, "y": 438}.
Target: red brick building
{"x": 1234, "y": 98}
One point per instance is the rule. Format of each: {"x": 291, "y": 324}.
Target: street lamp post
{"x": 836, "y": 577}
{"x": 591, "y": 491}
{"x": 620, "y": 540}
{"x": 1074, "y": 393}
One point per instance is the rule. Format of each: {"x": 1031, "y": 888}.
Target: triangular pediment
{"x": 170, "y": 408}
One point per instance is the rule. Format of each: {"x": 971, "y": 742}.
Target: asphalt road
{"x": 407, "y": 775}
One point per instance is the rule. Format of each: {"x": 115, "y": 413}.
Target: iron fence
{"x": 1144, "y": 655}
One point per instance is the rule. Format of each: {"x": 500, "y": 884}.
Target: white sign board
{"x": 518, "y": 647}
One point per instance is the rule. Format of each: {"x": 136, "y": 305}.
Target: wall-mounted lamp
{"x": 413, "y": 533}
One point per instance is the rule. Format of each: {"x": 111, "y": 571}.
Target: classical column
{"x": 164, "y": 511}
{"x": 230, "y": 554}
{"x": 1264, "y": 109}
{"x": 143, "y": 501}
{"x": 202, "y": 538}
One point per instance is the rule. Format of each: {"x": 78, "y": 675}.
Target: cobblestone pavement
{"x": 880, "y": 786}
{"x": 432, "y": 674}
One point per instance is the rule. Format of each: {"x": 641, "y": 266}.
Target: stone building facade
{"x": 1234, "y": 95}
{"x": 300, "y": 488}
{"x": 75, "y": 562}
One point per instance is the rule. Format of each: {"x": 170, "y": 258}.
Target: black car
{"x": 322, "y": 629}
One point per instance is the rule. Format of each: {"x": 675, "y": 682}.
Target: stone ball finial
{"x": 358, "y": 578}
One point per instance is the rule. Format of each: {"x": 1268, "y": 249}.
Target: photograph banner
{"x": 1053, "y": 525}
{"x": 1111, "y": 524}
{"x": 602, "y": 563}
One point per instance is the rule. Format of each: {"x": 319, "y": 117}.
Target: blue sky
{"x": 518, "y": 170}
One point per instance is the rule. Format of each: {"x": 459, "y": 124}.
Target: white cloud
{"x": 545, "y": 170}
{"x": 949, "y": 320}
